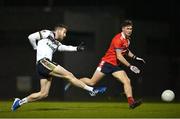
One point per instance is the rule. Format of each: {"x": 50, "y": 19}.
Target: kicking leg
{"x": 96, "y": 77}
{"x": 63, "y": 73}
{"x": 59, "y": 71}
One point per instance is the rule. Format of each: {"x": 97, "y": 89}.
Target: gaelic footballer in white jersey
{"x": 45, "y": 43}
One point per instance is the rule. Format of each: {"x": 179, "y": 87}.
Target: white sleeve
{"x": 32, "y": 38}
{"x": 67, "y": 48}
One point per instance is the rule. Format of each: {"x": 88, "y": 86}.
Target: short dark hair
{"x": 61, "y": 26}
{"x": 126, "y": 23}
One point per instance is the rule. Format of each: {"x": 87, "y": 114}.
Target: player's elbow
{"x": 119, "y": 55}
{"x": 45, "y": 96}
{"x": 30, "y": 37}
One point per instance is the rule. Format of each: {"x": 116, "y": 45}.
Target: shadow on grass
{"x": 48, "y": 109}
{"x": 61, "y": 109}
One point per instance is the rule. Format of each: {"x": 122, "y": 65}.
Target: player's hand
{"x": 81, "y": 47}
{"x": 140, "y": 59}
{"x": 134, "y": 69}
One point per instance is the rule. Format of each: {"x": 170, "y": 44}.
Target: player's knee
{"x": 91, "y": 83}
{"x": 44, "y": 94}
{"x": 69, "y": 75}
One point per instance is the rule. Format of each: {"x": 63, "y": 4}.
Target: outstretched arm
{"x": 131, "y": 55}
{"x": 62, "y": 47}
{"x": 32, "y": 38}
{"x": 67, "y": 48}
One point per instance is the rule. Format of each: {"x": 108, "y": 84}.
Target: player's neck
{"x": 125, "y": 36}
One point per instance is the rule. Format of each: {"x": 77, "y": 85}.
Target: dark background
{"x": 155, "y": 38}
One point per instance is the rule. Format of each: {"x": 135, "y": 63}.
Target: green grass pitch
{"x": 90, "y": 110}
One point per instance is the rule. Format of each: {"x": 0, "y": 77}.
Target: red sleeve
{"x": 117, "y": 43}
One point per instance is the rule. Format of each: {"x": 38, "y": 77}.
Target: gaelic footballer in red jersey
{"x": 113, "y": 60}
{"x": 119, "y": 42}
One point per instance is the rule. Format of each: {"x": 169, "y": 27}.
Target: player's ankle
{"x": 130, "y": 100}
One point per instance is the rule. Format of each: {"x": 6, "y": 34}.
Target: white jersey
{"x": 46, "y": 44}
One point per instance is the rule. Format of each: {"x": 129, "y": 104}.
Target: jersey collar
{"x": 123, "y": 35}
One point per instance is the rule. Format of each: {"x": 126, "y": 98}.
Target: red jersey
{"x": 118, "y": 42}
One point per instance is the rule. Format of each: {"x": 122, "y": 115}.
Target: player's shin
{"x": 80, "y": 84}
{"x": 88, "y": 88}
{"x": 23, "y": 101}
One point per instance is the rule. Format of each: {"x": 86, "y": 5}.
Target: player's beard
{"x": 61, "y": 38}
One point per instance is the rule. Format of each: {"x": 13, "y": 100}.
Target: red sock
{"x": 130, "y": 100}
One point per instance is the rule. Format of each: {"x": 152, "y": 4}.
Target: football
{"x": 167, "y": 95}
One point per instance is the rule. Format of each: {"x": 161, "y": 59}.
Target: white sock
{"x": 88, "y": 88}
{"x": 23, "y": 101}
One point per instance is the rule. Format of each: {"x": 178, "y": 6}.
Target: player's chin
{"x": 61, "y": 38}
{"x": 129, "y": 34}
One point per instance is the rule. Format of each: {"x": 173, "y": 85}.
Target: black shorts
{"x": 108, "y": 68}
{"x": 44, "y": 67}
